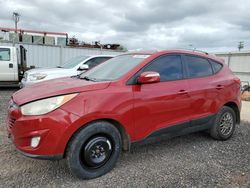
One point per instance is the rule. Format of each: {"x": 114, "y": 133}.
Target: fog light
{"x": 35, "y": 141}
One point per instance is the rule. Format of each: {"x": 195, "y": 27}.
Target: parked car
{"x": 89, "y": 119}
{"x": 72, "y": 67}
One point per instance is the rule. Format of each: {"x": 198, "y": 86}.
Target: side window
{"x": 96, "y": 61}
{"x": 4, "y": 54}
{"x": 216, "y": 66}
{"x": 169, "y": 67}
{"x": 198, "y": 67}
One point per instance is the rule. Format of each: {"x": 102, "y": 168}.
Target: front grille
{"x": 12, "y": 109}
{"x": 11, "y": 122}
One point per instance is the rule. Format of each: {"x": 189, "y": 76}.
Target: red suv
{"x": 90, "y": 118}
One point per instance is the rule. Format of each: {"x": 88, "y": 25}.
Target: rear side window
{"x": 4, "y": 54}
{"x": 216, "y": 66}
{"x": 198, "y": 67}
{"x": 169, "y": 67}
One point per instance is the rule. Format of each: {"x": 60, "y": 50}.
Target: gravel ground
{"x": 193, "y": 160}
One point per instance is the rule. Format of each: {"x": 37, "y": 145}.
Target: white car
{"x": 72, "y": 67}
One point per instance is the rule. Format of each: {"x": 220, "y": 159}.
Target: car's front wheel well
{"x": 125, "y": 137}
{"x": 236, "y": 110}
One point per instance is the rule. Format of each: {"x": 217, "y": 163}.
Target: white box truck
{"x": 12, "y": 65}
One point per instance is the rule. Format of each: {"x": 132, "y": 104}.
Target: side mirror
{"x": 83, "y": 67}
{"x": 148, "y": 78}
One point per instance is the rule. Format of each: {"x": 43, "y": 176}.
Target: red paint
{"x": 148, "y": 78}
{"x": 141, "y": 109}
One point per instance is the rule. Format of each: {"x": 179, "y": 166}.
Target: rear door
{"x": 202, "y": 89}
{"x": 163, "y": 104}
{"x": 7, "y": 71}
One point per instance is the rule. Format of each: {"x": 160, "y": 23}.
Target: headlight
{"x": 37, "y": 76}
{"x": 45, "y": 105}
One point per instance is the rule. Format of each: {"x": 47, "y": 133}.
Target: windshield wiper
{"x": 89, "y": 79}
{"x": 58, "y": 67}
{"x": 75, "y": 76}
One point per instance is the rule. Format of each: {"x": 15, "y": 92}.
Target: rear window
{"x": 198, "y": 67}
{"x": 216, "y": 66}
{"x": 4, "y": 54}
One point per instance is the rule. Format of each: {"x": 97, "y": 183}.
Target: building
{"x": 32, "y": 36}
{"x": 50, "y": 49}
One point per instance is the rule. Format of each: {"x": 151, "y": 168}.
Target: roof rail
{"x": 195, "y": 50}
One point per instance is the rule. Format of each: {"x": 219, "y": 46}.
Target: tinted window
{"x": 216, "y": 66}
{"x": 96, "y": 61}
{"x": 198, "y": 67}
{"x": 4, "y": 54}
{"x": 169, "y": 67}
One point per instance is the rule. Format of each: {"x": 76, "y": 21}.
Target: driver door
{"x": 163, "y": 104}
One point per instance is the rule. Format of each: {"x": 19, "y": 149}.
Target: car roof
{"x": 91, "y": 56}
{"x": 180, "y": 51}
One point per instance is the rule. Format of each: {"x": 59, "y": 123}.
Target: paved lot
{"x": 192, "y": 160}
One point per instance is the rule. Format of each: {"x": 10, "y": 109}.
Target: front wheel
{"x": 94, "y": 150}
{"x": 224, "y": 125}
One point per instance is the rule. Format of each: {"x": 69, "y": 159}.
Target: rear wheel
{"x": 94, "y": 150}
{"x": 224, "y": 125}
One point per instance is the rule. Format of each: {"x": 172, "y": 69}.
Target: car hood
{"x": 51, "y": 71}
{"x": 56, "y": 87}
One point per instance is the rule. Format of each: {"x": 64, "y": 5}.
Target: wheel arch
{"x": 124, "y": 135}
{"x": 236, "y": 109}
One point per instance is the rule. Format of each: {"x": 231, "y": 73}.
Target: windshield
{"x": 73, "y": 62}
{"x": 114, "y": 68}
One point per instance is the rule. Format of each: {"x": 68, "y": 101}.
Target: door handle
{"x": 219, "y": 87}
{"x": 182, "y": 92}
{"x": 10, "y": 65}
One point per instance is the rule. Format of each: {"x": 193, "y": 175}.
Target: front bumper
{"x": 42, "y": 157}
{"x": 52, "y": 128}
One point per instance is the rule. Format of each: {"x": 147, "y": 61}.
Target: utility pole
{"x": 241, "y": 45}
{"x": 16, "y": 18}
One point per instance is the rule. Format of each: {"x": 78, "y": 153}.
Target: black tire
{"x": 94, "y": 150}
{"x": 220, "y": 131}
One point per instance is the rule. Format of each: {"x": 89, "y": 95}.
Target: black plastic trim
{"x": 42, "y": 157}
{"x": 195, "y": 125}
